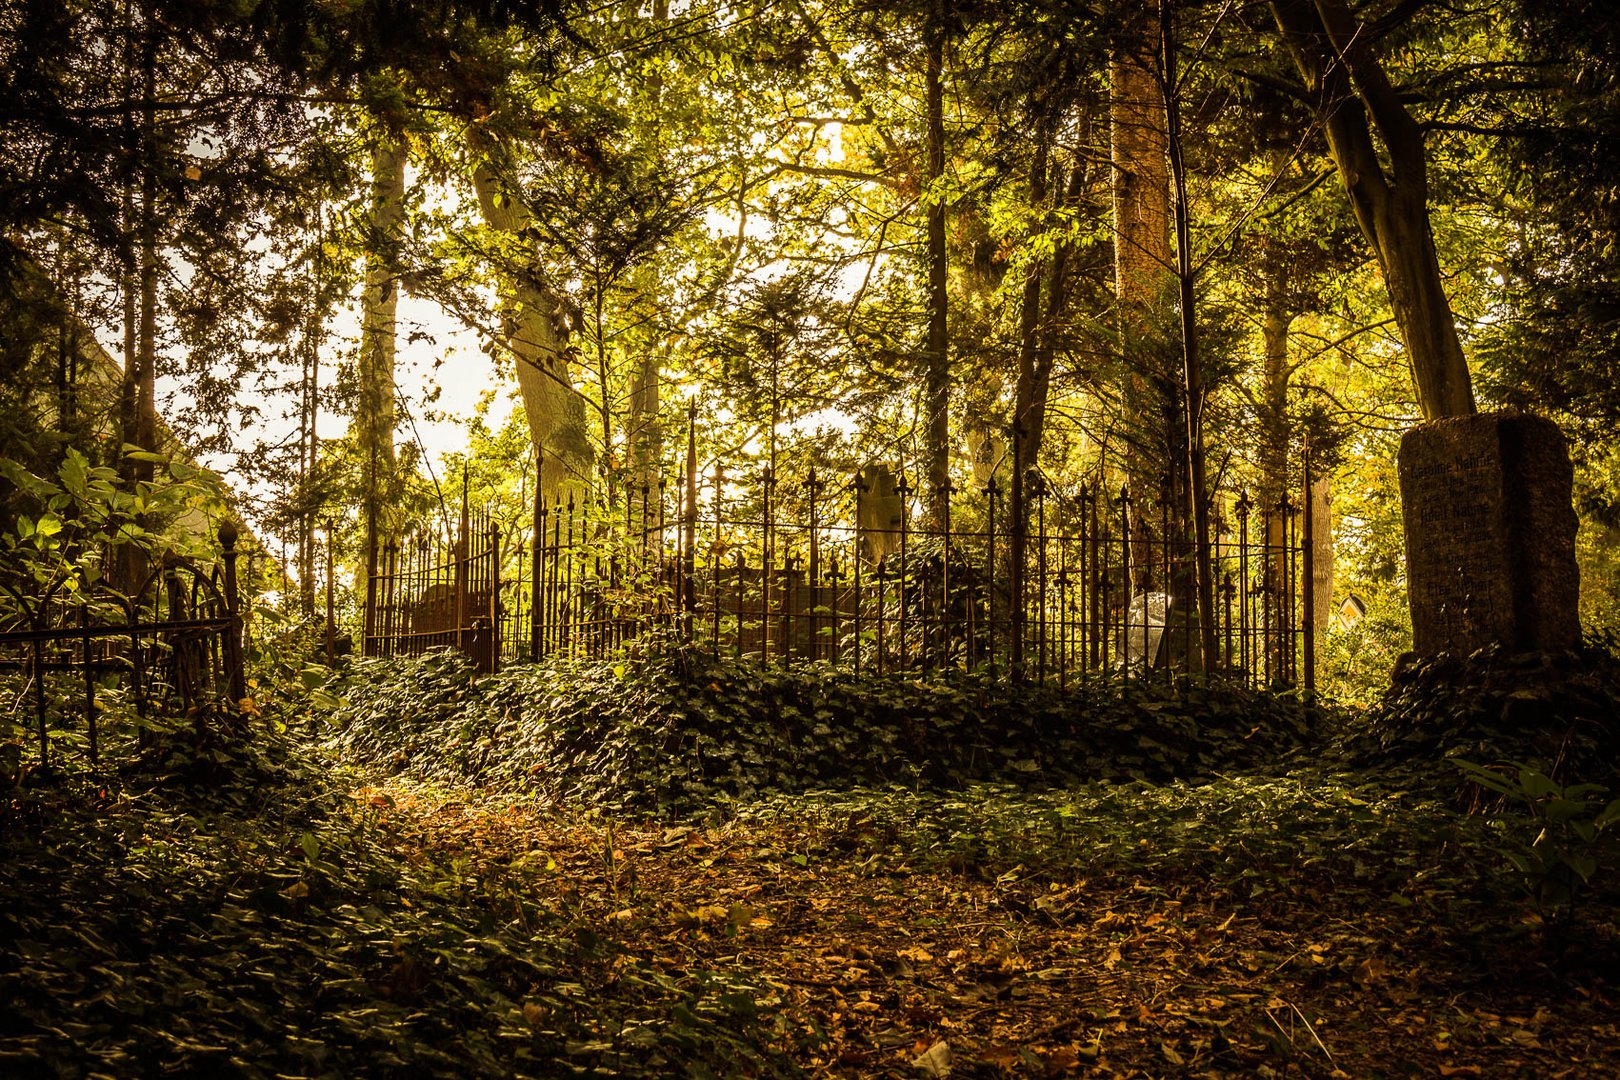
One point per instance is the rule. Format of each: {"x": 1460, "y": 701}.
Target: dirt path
{"x": 879, "y": 968}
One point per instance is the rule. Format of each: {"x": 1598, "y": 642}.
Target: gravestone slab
{"x": 879, "y": 508}
{"x": 1487, "y": 504}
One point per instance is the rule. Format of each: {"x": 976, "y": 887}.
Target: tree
{"x": 374, "y": 418}
{"x": 1336, "y": 56}
{"x": 1192, "y": 384}
{"x": 937, "y": 377}
{"x": 535, "y": 327}
{"x": 1561, "y": 274}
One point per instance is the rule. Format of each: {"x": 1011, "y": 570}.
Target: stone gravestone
{"x": 1490, "y": 534}
{"x": 878, "y": 510}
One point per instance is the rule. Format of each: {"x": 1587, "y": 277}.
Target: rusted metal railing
{"x": 172, "y": 644}
{"x": 858, "y": 571}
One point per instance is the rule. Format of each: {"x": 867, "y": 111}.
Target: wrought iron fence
{"x": 861, "y": 572}
{"x": 433, "y": 591}
{"x": 171, "y": 644}
{"x": 1094, "y": 597}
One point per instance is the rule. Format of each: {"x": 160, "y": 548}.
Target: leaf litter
{"x": 1236, "y": 908}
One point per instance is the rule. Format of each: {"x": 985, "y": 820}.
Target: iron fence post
{"x": 903, "y": 489}
{"x": 89, "y": 679}
{"x": 1128, "y": 586}
{"x": 494, "y": 613}
{"x": 235, "y": 676}
{"x": 1308, "y": 582}
{"x": 714, "y": 559}
{"x": 689, "y": 540}
{"x": 1037, "y": 487}
{"x": 538, "y": 525}
{"x": 857, "y": 486}
{"x": 943, "y": 633}
{"x": 991, "y": 490}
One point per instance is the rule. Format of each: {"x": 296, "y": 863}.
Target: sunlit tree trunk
{"x": 534, "y": 330}
{"x": 936, "y": 388}
{"x": 644, "y": 430}
{"x": 1142, "y": 264}
{"x": 1275, "y": 430}
{"x": 1276, "y": 434}
{"x": 1322, "y": 555}
{"x": 379, "y": 302}
{"x": 1388, "y": 188}
{"x": 1142, "y": 256}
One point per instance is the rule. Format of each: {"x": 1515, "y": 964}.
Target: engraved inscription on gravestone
{"x": 1490, "y": 534}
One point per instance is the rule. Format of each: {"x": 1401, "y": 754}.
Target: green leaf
{"x": 1608, "y": 816}
{"x": 144, "y": 455}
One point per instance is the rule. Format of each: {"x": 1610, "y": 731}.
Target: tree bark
{"x": 1142, "y": 256}
{"x": 534, "y": 330}
{"x": 645, "y": 430}
{"x": 379, "y": 302}
{"x": 1334, "y": 55}
{"x": 1192, "y": 370}
{"x": 1277, "y": 318}
{"x": 1142, "y": 270}
{"x": 936, "y": 389}
{"x": 139, "y": 419}
{"x": 1026, "y": 415}
{"x": 138, "y": 393}
{"x": 1321, "y": 571}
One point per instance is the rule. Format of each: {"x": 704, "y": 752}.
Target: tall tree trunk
{"x": 1026, "y": 416}
{"x": 936, "y": 389}
{"x": 139, "y": 407}
{"x": 1278, "y": 316}
{"x": 1334, "y": 55}
{"x": 379, "y": 302}
{"x": 1142, "y": 269}
{"x": 138, "y": 392}
{"x": 534, "y": 330}
{"x": 309, "y": 438}
{"x": 145, "y": 376}
{"x": 1192, "y": 386}
{"x": 645, "y": 428}
{"x": 1142, "y": 257}
{"x": 1322, "y": 555}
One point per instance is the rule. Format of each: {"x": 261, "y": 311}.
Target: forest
{"x": 763, "y": 538}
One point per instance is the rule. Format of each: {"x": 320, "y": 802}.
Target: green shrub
{"x": 1557, "y": 712}
{"x": 681, "y": 731}
{"x": 1565, "y": 838}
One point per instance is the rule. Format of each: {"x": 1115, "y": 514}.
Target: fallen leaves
{"x": 876, "y": 964}
{"x": 934, "y": 1061}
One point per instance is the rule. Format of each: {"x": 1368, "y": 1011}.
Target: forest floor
{"x": 311, "y": 921}
{"x": 882, "y": 968}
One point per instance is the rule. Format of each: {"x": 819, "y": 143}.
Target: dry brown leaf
{"x": 1369, "y": 971}
{"x": 935, "y": 1061}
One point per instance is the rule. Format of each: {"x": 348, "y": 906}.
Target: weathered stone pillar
{"x": 1490, "y": 534}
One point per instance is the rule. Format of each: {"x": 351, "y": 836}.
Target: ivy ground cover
{"x": 1220, "y": 897}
